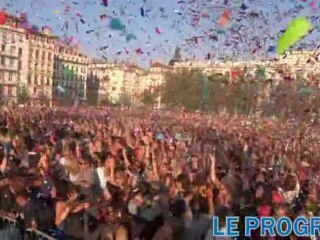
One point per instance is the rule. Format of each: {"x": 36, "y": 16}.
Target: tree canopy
{"x": 23, "y": 95}
{"x": 247, "y": 94}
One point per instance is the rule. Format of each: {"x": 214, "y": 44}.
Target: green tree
{"x": 68, "y": 99}
{"x": 23, "y": 95}
{"x": 125, "y": 100}
{"x": 149, "y": 98}
{"x": 92, "y": 97}
{"x": 193, "y": 90}
{"x": 104, "y": 102}
{"x": 184, "y": 88}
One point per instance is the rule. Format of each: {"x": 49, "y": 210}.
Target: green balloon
{"x": 116, "y": 24}
{"x": 130, "y": 37}
{"x": 297, "y": 29}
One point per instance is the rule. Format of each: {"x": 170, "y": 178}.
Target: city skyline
{"x": 246, "y": 36}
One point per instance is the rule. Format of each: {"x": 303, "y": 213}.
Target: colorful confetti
{"x": 105, "y": 3}
{"x": 225, "y": 18}
{"x": 130, "y": 37}
{"x": 117, "y": 25}
{"x": 157, "y": 30}
{"x": 139, "y": 51}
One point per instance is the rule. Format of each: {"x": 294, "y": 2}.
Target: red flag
{"x": 3, "y": 17}
{"x": 235, "y": 72}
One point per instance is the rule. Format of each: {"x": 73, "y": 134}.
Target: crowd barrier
{"x": 10, "y": 229}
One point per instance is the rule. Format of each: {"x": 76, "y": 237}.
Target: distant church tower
{"x": 176, "y": 58}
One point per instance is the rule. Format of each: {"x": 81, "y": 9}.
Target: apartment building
{"x": 13, "y": 59}
{"x": 98, "y": 81}
{"x": 70, "y": 74}
{"x": 114, "y": 81}
{"x": 157, "y": 72}
{"x": 26, "y": 62}
{"x": 40, "y": 62}
{"x": 132, "y": 82}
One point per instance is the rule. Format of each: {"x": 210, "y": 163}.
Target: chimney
{"x": 46, "y": 30}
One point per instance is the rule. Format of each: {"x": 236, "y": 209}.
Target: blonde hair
{"x": 72, "y": 165}
{"x": 121, "y": 233}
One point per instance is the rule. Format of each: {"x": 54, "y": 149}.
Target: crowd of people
{"x": 81, "y": 173}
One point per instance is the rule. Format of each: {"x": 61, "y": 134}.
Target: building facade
{"x": 41, "y": 51}
{"x": 13, "y": 59}
{"x": 116, "y": 82}
{"x": 98, "y": 81}
{"x": 52, "y": 72}
{"x": 70, "y": 66}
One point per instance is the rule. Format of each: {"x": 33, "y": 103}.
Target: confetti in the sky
{"x": 142, "y": 13}
{"x": 130, "y": 37}
{"x": 157, "y": 30}
{"x": 105, "y": 3}
{"x": 229, "y": 29}
{"x": 139, "y": 51}
{"x": 225, "y": 18}
{"x": 116, "y": 24}
{"x": 271, "y": 49}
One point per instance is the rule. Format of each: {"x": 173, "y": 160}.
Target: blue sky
{"x": 244, "y": 36}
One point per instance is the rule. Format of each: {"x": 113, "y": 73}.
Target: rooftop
{"x": 160, "y": 65}
{"x": 32, "y": 31}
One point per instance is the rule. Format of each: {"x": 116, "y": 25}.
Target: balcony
{"x": 9, "y": 54}
{"x": 9, "y": 68}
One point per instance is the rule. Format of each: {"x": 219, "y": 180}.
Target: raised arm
{"x": 213, "y": 176}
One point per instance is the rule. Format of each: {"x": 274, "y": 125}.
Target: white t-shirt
{"x": 210, "y": 237}
{"x": 102, "y": 177}
{"x": 63, "y": 161}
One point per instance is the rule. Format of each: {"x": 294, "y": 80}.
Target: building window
{"x": 43, "y": 55}
{"x": 2, "y": 61}
{"x": 29, "y": 78}
{"x": 9, "y": 91}
{"x": 20, "y": 52}
{"x": 4, "y": 34}
{"x": 35, "y": 82}
{"x": 11, "y": 62}
{"x": 34, "y": 90}
{"x": 10, "y": 76}
{"x": 19, "y": 66}
{"x": 3, "y": 47}
{"x": 48, "y": 81}
{"x": 12, "y": 49}
{"x": 113, "y": 88}
{"x": 37, "y": 54}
